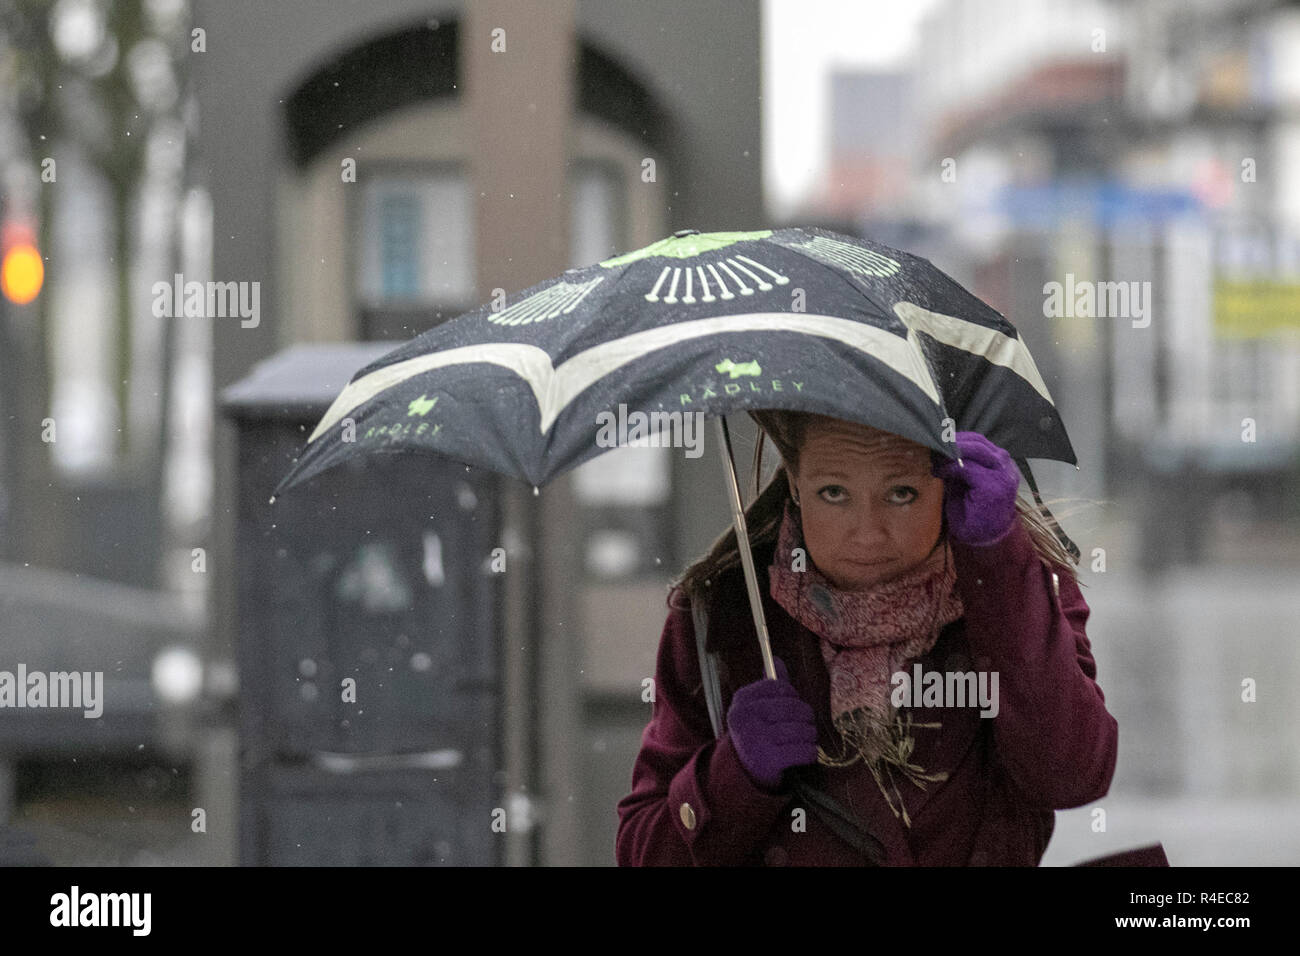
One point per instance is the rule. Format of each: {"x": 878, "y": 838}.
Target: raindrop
{"x": 535, "y": 491}
{"x": 465, "y": 497}
{"x": 433, "y": 571}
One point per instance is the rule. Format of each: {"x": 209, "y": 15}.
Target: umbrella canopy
{"x": 717, "y": 322}
{"x": 800, "y": 319}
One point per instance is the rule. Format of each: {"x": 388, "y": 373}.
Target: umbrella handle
{"x": 746, "y": 556}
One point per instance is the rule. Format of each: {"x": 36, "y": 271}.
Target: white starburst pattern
{"x": 854, "y": 258}
{"x": 687, "y": 279}
{"x": 558, "y": 299}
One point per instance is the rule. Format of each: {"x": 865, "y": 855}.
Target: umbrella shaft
{"x": 742, "y": 545}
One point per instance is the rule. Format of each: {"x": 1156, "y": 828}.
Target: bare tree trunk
{"x": 37, "y": 524}
{"x": 122, "y": 355}
{"x": 163, "y": 438}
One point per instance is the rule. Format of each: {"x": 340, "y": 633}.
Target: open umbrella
{"x": 709, "y": 323}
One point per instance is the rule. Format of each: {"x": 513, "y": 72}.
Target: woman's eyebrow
{"x": 906, "y": 473}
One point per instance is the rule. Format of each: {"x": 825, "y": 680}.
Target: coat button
{"x": 776, "y": 856}
{"x": 688, "y": 816}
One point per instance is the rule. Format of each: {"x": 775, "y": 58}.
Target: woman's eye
{"x": 836, "y": 490}
{"x": 911, "y": 492}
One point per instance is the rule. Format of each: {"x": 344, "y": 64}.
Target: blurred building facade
{"x": 628, "y": 130}
{"x": 376, "y": 170}
{"x": 1144, "y": 155}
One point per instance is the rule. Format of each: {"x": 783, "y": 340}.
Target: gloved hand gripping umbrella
{"x": 797, "y": 319}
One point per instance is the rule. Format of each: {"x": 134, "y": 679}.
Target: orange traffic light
{"x": 21, "y": 273}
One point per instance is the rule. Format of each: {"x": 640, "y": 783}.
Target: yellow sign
{"x": 1255, "y": 308}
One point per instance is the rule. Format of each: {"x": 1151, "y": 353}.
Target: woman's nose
{"x": 866, "y": 528}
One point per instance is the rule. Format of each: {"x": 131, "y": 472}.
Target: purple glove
{"x": 772, "y": 728}
{"x": 979, "y": 499}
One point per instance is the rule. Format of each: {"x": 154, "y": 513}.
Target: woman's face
{"x": 871, "y": 509}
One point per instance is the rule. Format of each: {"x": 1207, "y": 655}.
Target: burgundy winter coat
{"x": 1051, "y": 746}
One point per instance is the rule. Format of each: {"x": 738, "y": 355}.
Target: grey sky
{"x": 802, "y": 41}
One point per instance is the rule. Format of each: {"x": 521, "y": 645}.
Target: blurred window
{"x": 595, "y": 214}
{"x": 415, "y": 265}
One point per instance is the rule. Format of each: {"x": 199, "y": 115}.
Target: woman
{"x": 880, "y": 558}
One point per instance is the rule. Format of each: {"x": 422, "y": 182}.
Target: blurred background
{"x": 371, "y": 170}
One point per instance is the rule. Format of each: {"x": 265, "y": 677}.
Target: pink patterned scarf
{"x": 866, "y": 637}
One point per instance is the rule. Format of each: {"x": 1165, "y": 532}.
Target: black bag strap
{"x": 845, "y": 825}
{"x": 708, "y": 669}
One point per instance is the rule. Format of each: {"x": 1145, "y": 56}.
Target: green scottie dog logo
{"x": 749, "y": 368}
